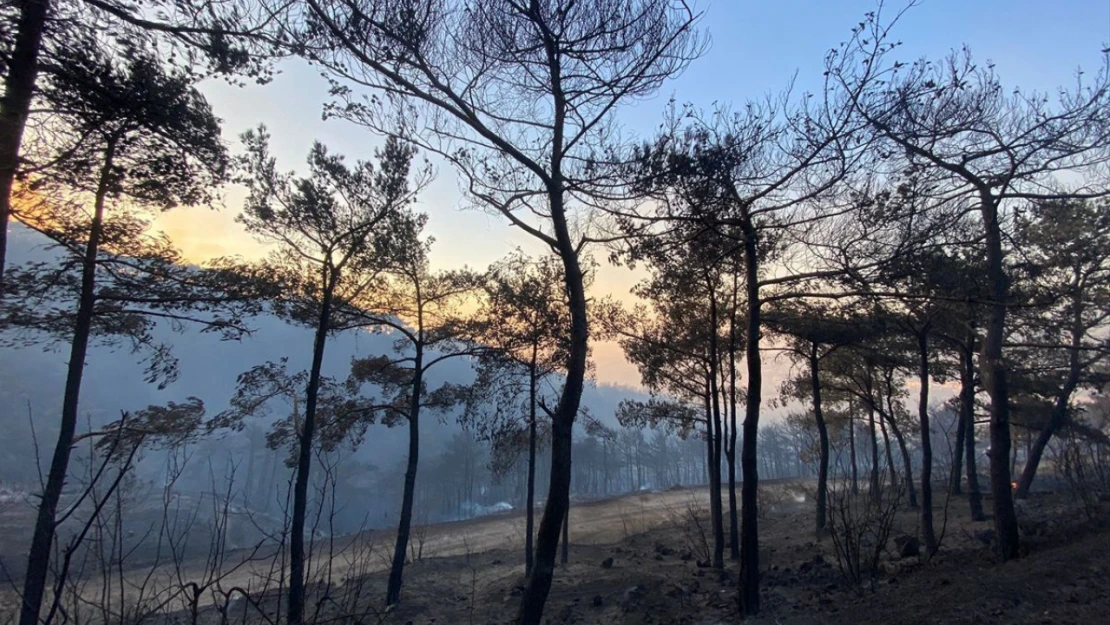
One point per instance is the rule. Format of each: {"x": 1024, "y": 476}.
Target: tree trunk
{"x": 927, "y": 532}
{"x": 749, "y": 457}
{"x": 730, "y": 456}
{"x": 907, "y": 463}
{"x": 715, "y": 493}
{"x": 558, "y": 497}
{"x": 955, "y": 480}
{"x": 712, "y": 431}
{"x": 530, "y": 501}
{"x": 823, "y": 436}
{"x": 733, "y": 518}
{"x": 19, "y": 90}
{"x": 874, "y": 438}
{"x": 404, "y": 525}
{"x": 967, "y": 415}
{"x": 565, "y": 555}
{"x": 995, "y": 381}
{"x": 889, "y": 453}
{"x": 38, "y": 558}
{"x": 852, "y": 446}
{"x": 295, "y": 605}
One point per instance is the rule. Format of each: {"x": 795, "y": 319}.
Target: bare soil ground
{"x": 472, "y": 571}
{"x": 1064, "y": 576}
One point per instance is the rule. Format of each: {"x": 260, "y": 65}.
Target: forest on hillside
{"x": 880, "y": 298}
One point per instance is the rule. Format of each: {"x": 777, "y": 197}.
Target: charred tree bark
{"x": 530, "y": 498}
{"x": 995, "y": 381}
{"x": 733, "y": 519}
{"x": 564, "y": 557}
{"x": 714, "y": 366}
{"x": 558, "y": 497}
{"x": 295, "y": 603}
{"x": 733, "y": 513}
{"x": 967, "y": 415}
{"x": 713, "y": 439}
{"x": 823, "y": 439}
{"x": 907, "y": 463}
{"x": 749, "y": 457}
{"x": 927, "y": 532}
{"x": 19, "y": 90}
{"x": 404, "y": 524}
{"x": 38, "y": 558}
{"x": 889, "y": 453}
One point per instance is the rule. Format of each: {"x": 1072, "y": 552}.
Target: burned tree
{"x": 1065, "y": 273}
{"x": 425, "y": 310}
{"x": 232, "y": 39}
{"x": 334, "y": 231}
{"x": 525, "y": 328}
{"x": 15, "y": 106}
{"x": 131, "y": 138}
{"x": 766, "y": 178}
{"x": 994, "y": 148}
{"x": 816, "y": 332}
{"x": 674, "y": 343}
{"x": 520, "y": 97}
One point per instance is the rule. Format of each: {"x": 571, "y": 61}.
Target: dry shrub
{"x": 1084, "y": 464}
{"x": 860, "y": 527}
{"x": 693, "y": 523}
{"x": 771, "y": 496}
{"x": 416, "y": 544}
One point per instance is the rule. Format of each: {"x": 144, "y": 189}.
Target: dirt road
{"x": 591, "y": 523}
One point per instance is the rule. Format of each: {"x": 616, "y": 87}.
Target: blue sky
{"x": 756, "y": 48}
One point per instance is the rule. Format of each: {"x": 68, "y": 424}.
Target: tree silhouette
{"x": 954, "y": 122}
{"x": 815, "y": 332}
{"x": 525, "y": 327}
{"x": 426, "y": 311}
{"x": 133, "y": 138}
{"x": 334, "y": 232}
{"x": 768, "y": 179}
{"x": 1065, "y": 262}
{"x": 694, "y": 283}
{"x": 228, "y": 38}
{"x": 520, "y": 97}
